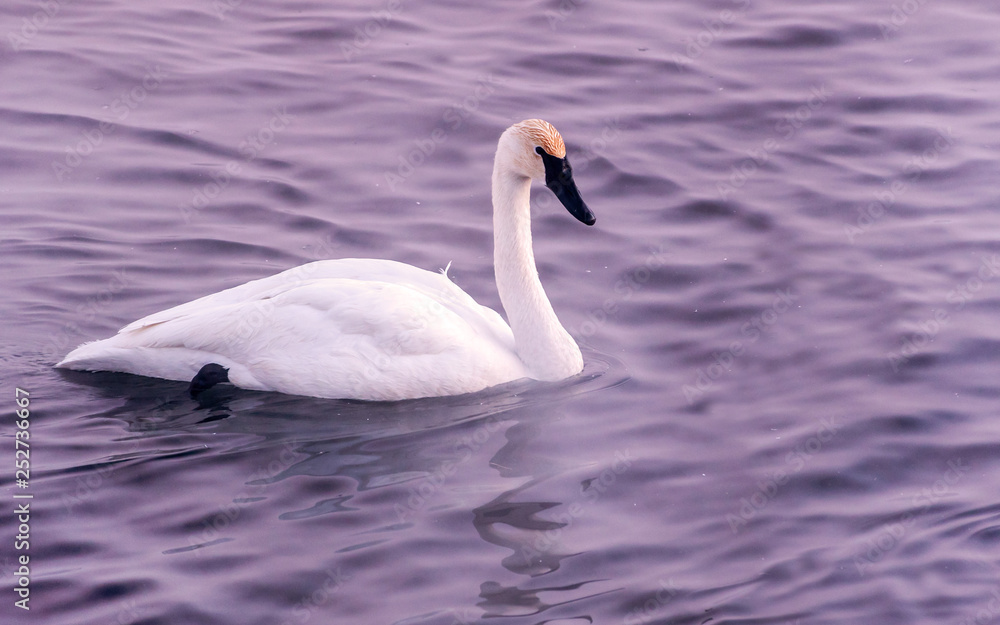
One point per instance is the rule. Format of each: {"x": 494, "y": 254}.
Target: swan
{"x": 372, "y": 329}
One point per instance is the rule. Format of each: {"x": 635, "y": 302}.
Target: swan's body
{"x": 374, "y": 329}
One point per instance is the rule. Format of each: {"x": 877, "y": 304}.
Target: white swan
{"x": 373, "y": 329}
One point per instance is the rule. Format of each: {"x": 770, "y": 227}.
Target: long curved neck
{"x": 543, "y": 345}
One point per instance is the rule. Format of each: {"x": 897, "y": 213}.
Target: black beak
{"x": 559, "y": 179}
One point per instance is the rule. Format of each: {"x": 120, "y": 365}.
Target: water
{"x": 788, "y": 310}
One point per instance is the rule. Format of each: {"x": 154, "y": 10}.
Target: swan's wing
{"x": 257, "y": 289}
{"x": 433, "y": 285}
{"x": 317, "y": 313}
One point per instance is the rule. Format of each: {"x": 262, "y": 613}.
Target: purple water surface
{"x": 788, "y": 307}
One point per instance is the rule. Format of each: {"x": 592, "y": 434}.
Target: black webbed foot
{"x": 207, "y": 377}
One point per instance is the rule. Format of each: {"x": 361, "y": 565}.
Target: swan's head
{"x": 535, "y": 149}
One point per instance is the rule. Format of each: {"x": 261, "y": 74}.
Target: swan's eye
{"x": 539, "y": 150}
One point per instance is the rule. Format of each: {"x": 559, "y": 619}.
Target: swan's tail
{"x": 87, "y": 357}
{"x": 168, "y": 363}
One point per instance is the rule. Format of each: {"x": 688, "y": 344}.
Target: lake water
{"x": 788, "y": 308}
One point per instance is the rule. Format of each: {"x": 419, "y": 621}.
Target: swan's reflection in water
{"x": 538, "y": 542}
